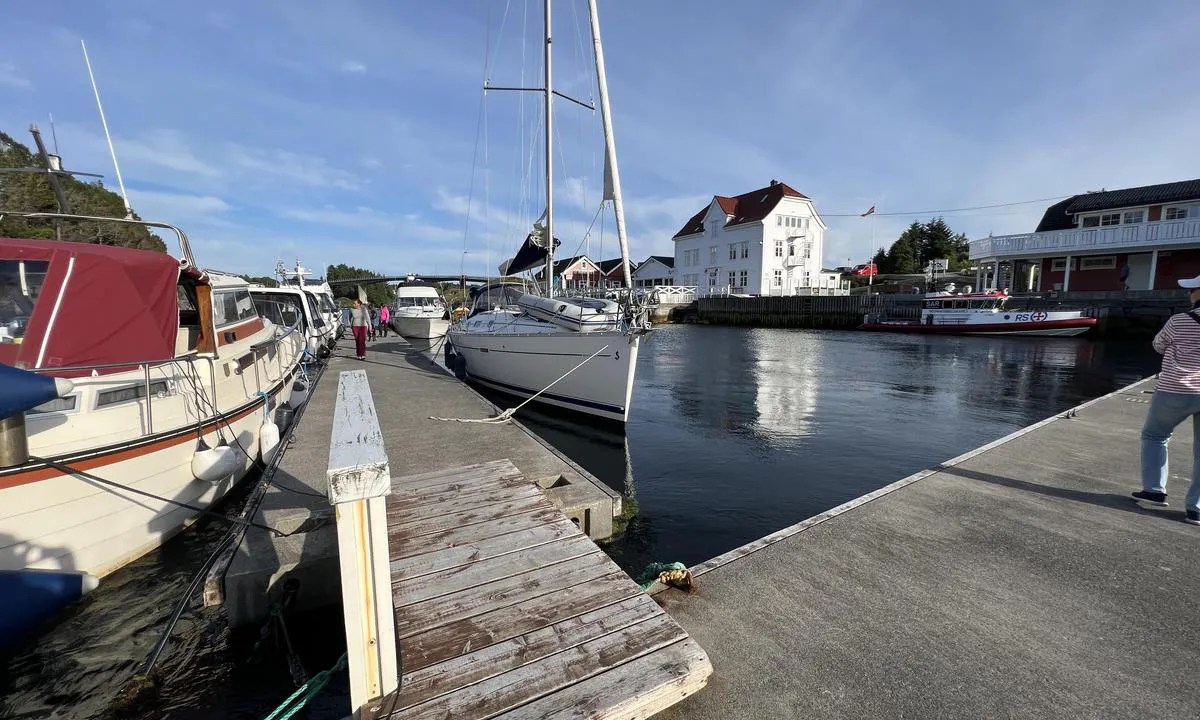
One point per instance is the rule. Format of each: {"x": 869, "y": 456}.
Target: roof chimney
{"x": 774, "y": 182}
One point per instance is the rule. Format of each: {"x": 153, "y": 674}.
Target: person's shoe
{"x": 1192, "y": 517}
{"x": 1156, "y": 499}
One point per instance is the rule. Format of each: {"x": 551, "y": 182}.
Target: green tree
{"x": 378, "y": 293}
{"x": 28, "y": 192}
{"x": 923, "y": 242}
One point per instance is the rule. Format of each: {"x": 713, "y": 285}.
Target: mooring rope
{"x": 507, "y": 414}
{"x": 306, "y": 692}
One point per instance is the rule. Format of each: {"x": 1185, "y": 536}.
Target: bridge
{"x": 412, "y": 277}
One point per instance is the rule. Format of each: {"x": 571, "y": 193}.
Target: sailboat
{"x": 577, "y": 353}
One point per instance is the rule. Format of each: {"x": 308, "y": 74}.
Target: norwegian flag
{"x": 869, "y": 212}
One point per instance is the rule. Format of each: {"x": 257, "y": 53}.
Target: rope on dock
{"x": 306, "y": 692}
{"x": 674, "y": 574}
{"x": 507, "y": 414}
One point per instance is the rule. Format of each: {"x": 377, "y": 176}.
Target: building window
{"x": 1175, "y": 213}
{"x": 1133, "y": 216}
{"x": 777, "y": 281}
{"x": 1093, "y": 221}
{"x": 733, "y": 251}
{"x": 1099, "y": 262}
{"x": 712, "y": 253}
{"x": 712, "y": 280}
{"x": 778, "y": 221}
{"x": 732, "y": 278}
{"x": 1060, "y": 264}
{"x": 745, "y": 250}
{"x": 1110, "y": 219}
{"x": 791, "y": 250}
{"x": 778, "y": 248}
{"x": 745, "y": 279}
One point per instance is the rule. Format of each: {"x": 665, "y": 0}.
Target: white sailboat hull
{"x": 522, "y": 363}
{"x": 420, "y": 327}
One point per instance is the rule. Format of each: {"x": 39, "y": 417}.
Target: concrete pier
{"x": 1018, "y": 580}
{"x": 408, "y": 388}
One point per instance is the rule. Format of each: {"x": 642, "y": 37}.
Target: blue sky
{"x": 347, "y": 131}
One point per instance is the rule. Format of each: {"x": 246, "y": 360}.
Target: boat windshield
{"x": 20, "y": 283}
{"x": 497, "y": 295}
{"x": 418, "y": 302}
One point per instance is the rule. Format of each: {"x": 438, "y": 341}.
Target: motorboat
{"x": 137, "y": 389}
{"x": 984, "y": 313}
{"x": 419, "y": 311}
{"x": 289, "y": 302}
{"x": 573, "y": 352}
{"x": 322, "y": 299}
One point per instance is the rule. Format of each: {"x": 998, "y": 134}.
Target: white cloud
{"x": 352, "y": 67}
{"x": 11, "y": 77}
{"x": 163, "y": 148}
{"x": 157, "y": 205}
{"x": 300, "y": 169}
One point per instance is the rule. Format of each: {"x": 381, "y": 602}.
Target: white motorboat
{"x": 134, "y": 384}
{"x": 322, "y": 302}
{"x": 575, "y": 353}
{"x": 288, "y": 304}
{"x": 419, "y": 311}
{"x": 985, "y": 313}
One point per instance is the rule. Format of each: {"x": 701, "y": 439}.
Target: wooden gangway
{"x": 505, "y": 609}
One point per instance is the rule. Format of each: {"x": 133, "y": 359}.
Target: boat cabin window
{"x": 317, "y": 320}
{"x": 232, "y": 306}
{"x": 20, "y": 283}
{"x": 62, "y": 404}
{"x": 283, "y": 311}
{"x": 133, "y": 392}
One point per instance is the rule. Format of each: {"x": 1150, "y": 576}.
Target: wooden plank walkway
{"x": 505, "y": 609}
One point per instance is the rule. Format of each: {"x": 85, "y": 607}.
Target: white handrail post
{"x": 359, "y": 481}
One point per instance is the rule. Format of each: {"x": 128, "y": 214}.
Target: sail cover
{"x": 532, "y": 252}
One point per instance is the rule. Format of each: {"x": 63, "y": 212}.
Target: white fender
{"x": 215, "y": 463}
{"x": 268, "y": 441}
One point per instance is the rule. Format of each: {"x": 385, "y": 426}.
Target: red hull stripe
{"x": 995, "y": 328}
{"x": 119, "y": 453}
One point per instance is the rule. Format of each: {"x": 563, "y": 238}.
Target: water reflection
{"x": 735, "y": 433}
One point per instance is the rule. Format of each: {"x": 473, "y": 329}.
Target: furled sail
{"x": 532, "y": 251}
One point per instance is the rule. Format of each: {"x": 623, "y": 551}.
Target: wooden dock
{"x": 505, "y": 609}
{"x": 1018, "y": 580}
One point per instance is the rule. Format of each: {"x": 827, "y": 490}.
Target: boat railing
{"x": 185, "y": 247}
{"x": 145, "y": 366}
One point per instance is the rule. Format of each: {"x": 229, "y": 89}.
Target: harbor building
{"x": 1140, "y": 238}
{"x": 767, "y": 241}
{"x": 655, "y": 271}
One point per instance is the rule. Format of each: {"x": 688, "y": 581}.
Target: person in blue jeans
{"x": 1176, "y": 398}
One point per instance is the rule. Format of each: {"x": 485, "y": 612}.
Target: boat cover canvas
{"x": 530, "y": 254}
{"x": 98, "y": 304}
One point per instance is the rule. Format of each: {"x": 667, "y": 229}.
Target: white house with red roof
{"x": 764, "y": 242}
{"x": 1141, "y": 238}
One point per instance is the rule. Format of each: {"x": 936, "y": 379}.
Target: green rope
{"x": 297, "y": 700}
{"x": 654, "y": 571}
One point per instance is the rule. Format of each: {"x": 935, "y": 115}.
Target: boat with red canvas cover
{"x": 129, "y": 377}
{"x": 984, "y": 313}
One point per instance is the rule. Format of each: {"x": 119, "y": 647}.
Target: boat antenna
{"x": 54, "y": 135}
{"x": 612, "y": 179}
{"x": 111, "y": 150}
{"x": 549, "y": 164}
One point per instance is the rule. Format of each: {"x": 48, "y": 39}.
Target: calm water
{"x": 735, "y": 433}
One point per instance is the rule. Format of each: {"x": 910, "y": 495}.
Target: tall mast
{"x": 549, "y": 166}
{"x": 612, "y": 177}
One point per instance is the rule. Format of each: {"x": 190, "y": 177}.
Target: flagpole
{"x": 871, "y": 270}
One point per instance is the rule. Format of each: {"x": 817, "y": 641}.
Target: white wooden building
{"x": 764, "y": 242}
{"x": 655, "y": 271}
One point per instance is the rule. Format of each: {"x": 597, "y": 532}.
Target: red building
{"x": 1141, "y": 238}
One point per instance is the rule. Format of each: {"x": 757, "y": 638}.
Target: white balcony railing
{"x": 1087, "y": 240}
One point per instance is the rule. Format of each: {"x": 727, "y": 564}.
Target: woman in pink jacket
{"x": 385, "y": 316}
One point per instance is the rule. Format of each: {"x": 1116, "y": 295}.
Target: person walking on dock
{"x": 374, "y": 316}
{"x": 1176, "y": 399}
{"x": 385, "y": 315}
{"x": 360, "y": 320}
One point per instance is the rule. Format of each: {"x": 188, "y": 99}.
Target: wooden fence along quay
{"x": 468, "y": 594}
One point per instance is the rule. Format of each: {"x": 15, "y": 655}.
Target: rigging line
{"x": 950, "y": 210}
{"x": 195, "y": 508}
{"x": 489, "y": 58}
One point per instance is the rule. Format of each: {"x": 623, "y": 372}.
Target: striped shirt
{"x": 1179, "y": 344}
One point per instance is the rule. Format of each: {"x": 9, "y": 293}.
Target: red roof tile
{"x": 745, "y": 208}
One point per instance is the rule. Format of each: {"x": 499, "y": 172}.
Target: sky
{"x": 358, "y": 132}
